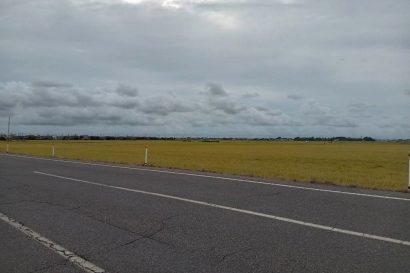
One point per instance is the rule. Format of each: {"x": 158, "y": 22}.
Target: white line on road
{"x": 65, "y": 253}
{"x": 216, "y": 177}
{"x": 269, "y": 216}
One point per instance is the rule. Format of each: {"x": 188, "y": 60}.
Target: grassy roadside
{"x": 379, "y": 165}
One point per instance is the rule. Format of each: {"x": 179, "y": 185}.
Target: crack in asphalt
{"x": 142, "y": 237}
{"x": 233, "y": 253}
{"x": 252, "y": 263}
{"x": 102, "y": 218}
{"x": 66, "y": 254}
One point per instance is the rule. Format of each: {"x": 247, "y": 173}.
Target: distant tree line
{"x": 204, "y": 139}
{"x": 334, "y": 139}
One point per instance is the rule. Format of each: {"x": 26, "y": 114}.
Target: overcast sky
{"x": 242, "y": 68}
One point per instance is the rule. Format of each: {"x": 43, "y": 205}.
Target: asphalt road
{"x": 135, "y": 220}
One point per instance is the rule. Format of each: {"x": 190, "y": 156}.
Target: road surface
{"x": 71, "y": 216}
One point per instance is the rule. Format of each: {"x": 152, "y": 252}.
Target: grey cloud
{"x": 294, "y": 97}
{"x": 70, "y": 118}
{"x": 320, "y": 115}
{"x": 246, "y": 45}
{"x": 386, "y": 126}
{"x": 48, "y": 84}
{"x": 228, "y": 107}
{"x": 393, "y": 124}
{"x": 405, "y": 125}
{"x": 68, "y": 105}
{"x": 250, "y": 95}
{"x": 162, "y": 106}
{"x": 214, "y": 89}
{"x": 77, "y": 106}
{"x": 127, "y": 91}
{"x": 361, "y": 111}
{"x": 47, "y": 95}
{"x": 127, "y": 104}
{"x": 333, "y": 121}
{"x": 407, "y": 92}
{"x": 254, "y": 116}
{"x": 54, "y": 98}
{"x": 357, "y": 107}
{"x": 219, "y": 99}
{"x": 67, "y": 117}
{"x": 261, "y": 108}
{"x": 6, "y": 104}
{"x": 314, "y": 108}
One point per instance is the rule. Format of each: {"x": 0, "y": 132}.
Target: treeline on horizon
{"x": 204, "y": 139}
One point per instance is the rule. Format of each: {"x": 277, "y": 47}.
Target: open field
{"x": 381, "y": 165}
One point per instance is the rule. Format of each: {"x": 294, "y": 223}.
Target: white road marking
{"x": 65, "y": 253}
{"x": 264, "y": 215}
{"x": 217, "y": 177}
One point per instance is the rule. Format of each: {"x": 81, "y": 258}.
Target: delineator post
{"x": 146, "y": 155}
{"x": 408, "y": 185}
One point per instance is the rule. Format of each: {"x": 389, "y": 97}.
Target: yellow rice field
{"x": 380, "y": 165}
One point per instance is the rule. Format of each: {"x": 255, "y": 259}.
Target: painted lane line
{"x": 271, "y": 184}
{"x": 65, "y": 253}
{"x": 248, "y": 212}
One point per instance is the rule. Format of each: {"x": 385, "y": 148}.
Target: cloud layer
{"x": 211, "y": 111}
{"x": 206, "y": 67}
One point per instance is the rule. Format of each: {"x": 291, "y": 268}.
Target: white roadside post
{"x": 8, "y": 136}
{"x": 408, "y": 185}
{"x": 146, "y": 155}
{"x": 53, "y": 151}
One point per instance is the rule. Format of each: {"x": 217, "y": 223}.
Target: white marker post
{"x": 53, "y": 152}
{"x": 8, "y": 136}
{"x": 146, "y": 155}
{"x": 408, "y": 186}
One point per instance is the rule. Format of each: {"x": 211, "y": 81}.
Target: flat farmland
{"x": 378, "y": 165}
